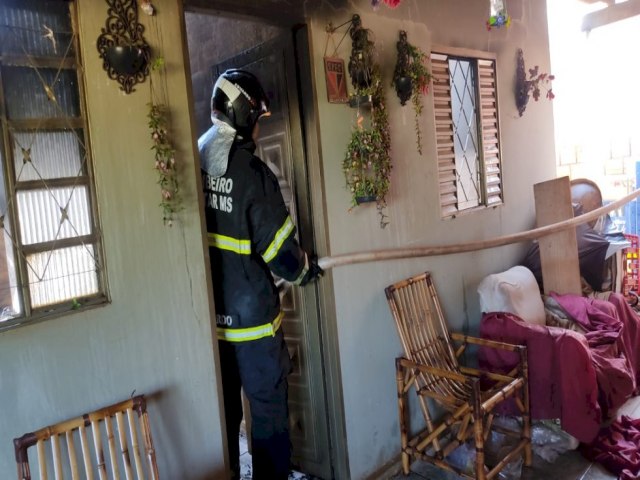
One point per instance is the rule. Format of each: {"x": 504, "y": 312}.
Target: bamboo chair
{"x": 90, "y": 431}
{"x": 460, "y": 405}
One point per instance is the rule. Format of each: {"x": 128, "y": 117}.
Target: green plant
{"x": 165, "y": 161}
{"x": 411, "y": 79}
{"x": 367, "y": 163}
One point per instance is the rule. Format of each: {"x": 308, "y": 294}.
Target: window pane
{"x": 9, "y": 291}
{"x": 464, "y": 110}
{"x": 35, "y": 27}
{"x": 26, "y": 96}
{"x": 41, "y": 215}
{"x": 61, "y": 275}
{"x": 52, "y": 154}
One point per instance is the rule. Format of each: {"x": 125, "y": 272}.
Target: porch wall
{"x": 155, "y": 337}
{"x": 367, "y": 338}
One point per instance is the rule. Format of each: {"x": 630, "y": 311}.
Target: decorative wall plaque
{"x": 336, "y": 80}
{"x": 122, "y": 47}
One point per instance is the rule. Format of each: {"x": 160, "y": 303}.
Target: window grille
{"x": 50, "y": 247}
{"x": 467, "y": 130}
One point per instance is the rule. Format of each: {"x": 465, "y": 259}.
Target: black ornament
{"x": 127, "y": 59}
{"x": 125, "y": 53}
{"x": 404, "y": 88}
{"x": 401, "y": 79}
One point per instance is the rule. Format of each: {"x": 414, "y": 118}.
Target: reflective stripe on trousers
{"x": 250, "y": 333}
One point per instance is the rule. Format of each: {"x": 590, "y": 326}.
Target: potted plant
{"x": 526, "y": 88}
{"x": 367, "y": 163}
{"x": 411, "y": 79}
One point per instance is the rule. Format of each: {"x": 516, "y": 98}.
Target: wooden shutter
{"x": 488, "y": 114}
{"x": 444, "y": 135}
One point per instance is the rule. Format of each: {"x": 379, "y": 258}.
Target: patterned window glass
{"x": 467, "y": 130}
{"x": 50, "y": 247}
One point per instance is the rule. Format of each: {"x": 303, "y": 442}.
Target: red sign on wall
{"x": 336, "y": 79}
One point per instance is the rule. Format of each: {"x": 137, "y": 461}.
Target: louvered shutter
{"x": 444, "y": 135}
{"x": 492, "y": 157}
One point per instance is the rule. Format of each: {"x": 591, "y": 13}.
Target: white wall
{"x": 155, "y": 337}
{"x": 367, "y": 339}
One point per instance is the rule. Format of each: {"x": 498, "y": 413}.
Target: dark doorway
{"x": 215, "y": 44}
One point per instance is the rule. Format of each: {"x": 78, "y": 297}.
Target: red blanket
{"x": 617, "y": 447}
{"x": 580, "y": 379}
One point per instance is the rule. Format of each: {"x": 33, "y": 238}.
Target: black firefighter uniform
{"x": 250, "y": 236}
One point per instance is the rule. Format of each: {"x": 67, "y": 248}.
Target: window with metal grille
{"x": 50, "y": 248}
{"x": 467, "y": 129}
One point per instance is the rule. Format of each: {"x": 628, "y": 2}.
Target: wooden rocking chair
{"x": 431, "y": 367}
{"x": 88, "y": 433}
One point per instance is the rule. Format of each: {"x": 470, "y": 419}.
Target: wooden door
{"x": 280, "y": 145}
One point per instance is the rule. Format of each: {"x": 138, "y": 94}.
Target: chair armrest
{"x": 487, "y": 343}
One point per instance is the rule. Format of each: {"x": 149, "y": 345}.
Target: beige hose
{"x": 429, "y": 251}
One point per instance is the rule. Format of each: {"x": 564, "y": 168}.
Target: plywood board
{"x": 558, "y": 251}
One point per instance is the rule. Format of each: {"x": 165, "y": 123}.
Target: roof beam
{"x": 610, "y": 14}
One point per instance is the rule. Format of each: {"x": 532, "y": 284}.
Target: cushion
{"x": 515, "y": 291}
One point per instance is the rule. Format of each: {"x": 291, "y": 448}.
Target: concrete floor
{"x": 569, "y": 466}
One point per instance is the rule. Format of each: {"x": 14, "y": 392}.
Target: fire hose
{"x": 398, "y": 253}
{"x": 429, "y": 251}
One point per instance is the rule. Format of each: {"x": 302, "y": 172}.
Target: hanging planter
{"x": 411, "y": 79}
{"x": 367, "y": 163}
{"x": 366, "y": 199}
{"x": 531, "y": 87}
{"x": 126, "y": 60}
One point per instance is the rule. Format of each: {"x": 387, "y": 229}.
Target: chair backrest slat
{"x": 99, "y": 452}
{"x": 120, "y": 424}
{"x": 124, "y": 449}
{"x": 86, "y": 452}
{"x": 73, "y": 462}
{"x": 111, "y": 443}
{"x": 42, "y": 460}
{"x": 134, "y": 443}
{"x": 57, "y": 458}
{"x": 148, "y": 442}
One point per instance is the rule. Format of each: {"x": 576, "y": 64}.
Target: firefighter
{"x": 251, "y": 237}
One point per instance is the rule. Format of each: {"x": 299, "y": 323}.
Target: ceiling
{"x": 610, "y": 13}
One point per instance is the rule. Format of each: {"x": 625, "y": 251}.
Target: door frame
{"x": 326, "y": 297}
{"x": 312, "y": 189}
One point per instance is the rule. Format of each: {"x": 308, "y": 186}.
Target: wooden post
{"x": 558, "y": 251}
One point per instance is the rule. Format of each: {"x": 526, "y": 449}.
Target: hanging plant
{"x": 367, "y": 162}
{"x": 411, "y": 79}
{"x": 361, "y": 61}
{"x": 165, "y": 161}
{"x": 526, "y": 88}
{"x": 159, "y": 122}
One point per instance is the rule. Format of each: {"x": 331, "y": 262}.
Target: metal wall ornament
{"x": 122, "y": 47}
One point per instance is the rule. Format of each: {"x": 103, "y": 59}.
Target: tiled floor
{"x": 569, "y": 466}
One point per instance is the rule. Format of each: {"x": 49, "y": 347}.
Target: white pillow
{"x": 515, "y": 291}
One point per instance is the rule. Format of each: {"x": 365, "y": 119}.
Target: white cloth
{"x": 515, "y": 291}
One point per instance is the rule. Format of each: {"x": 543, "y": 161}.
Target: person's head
{"x": 239, "y": 100}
